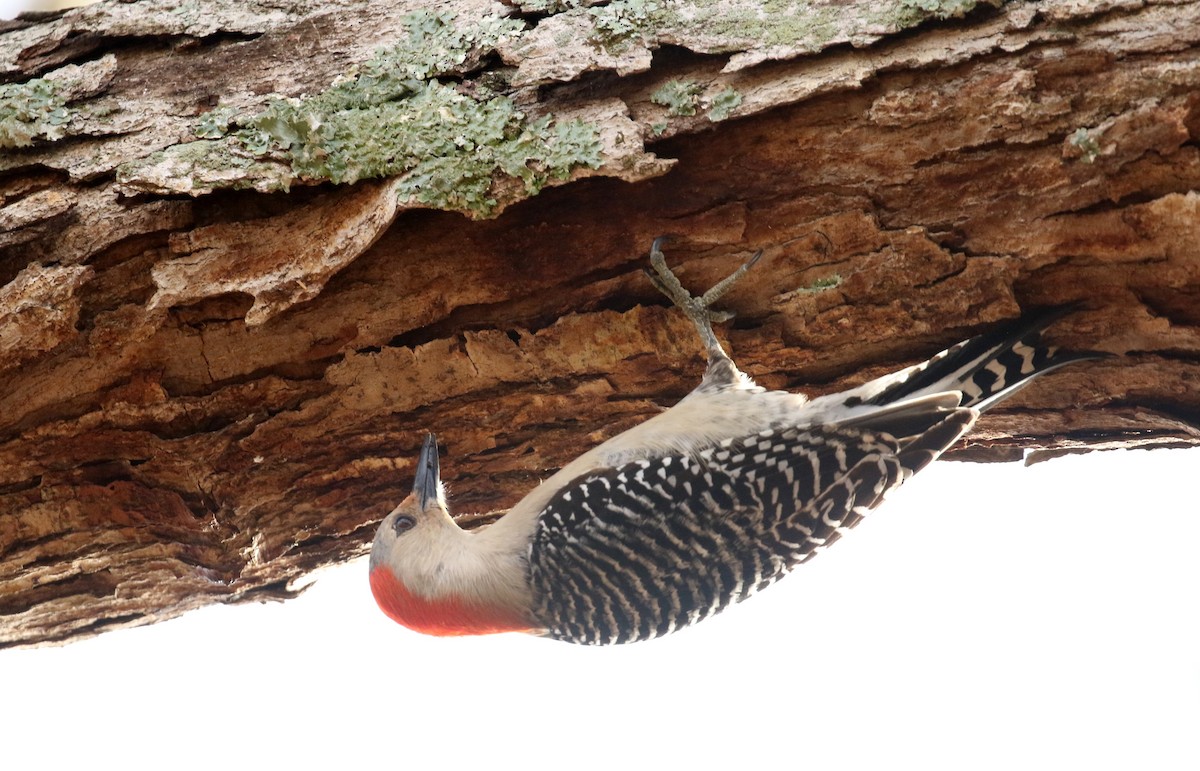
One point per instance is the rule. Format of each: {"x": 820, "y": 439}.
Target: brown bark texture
{"x": 222, "y": 335}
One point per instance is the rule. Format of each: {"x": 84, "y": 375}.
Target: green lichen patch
{"x": 448, "y": 143}
{"x": 915, "y": 11}
{"x": 822, "y": 284}
{"x": 766, "y": 28}
{"x": 680, "y": 97}
{"x": 1089, "y": 148}
{"x": 795, "y": 26}
{"x": 447, "y": 146}
{"x": 721, "y": 26}
{"x": 621, "y": 34}
{"x": 551, "y": 6}
{"x": 683, "y": 98}
{"x": 434, "y": 46}
{"x": 620, "y": 23}
{"x": 723, "y": 103}
{"x": 215, "y": 123}
{"x": 36, "y": 109}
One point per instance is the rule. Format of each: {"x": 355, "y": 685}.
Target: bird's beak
{"x": 425, "y": 486}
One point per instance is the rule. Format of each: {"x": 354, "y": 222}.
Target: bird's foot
{"x": 698, "y": 309}
{"x": 721, "y": 371}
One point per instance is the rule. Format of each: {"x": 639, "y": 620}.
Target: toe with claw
{"x": 721, "y": 369}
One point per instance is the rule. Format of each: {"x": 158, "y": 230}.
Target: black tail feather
{"x": 991, "y": 366}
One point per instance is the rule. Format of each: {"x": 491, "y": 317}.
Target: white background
{"x": 10, "y": 8}
{"x": 985, "y": 617}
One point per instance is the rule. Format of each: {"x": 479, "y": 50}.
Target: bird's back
{"x": 717, "y": 498}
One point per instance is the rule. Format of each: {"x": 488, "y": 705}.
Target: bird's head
{"x": 427, "y": 573}
{"x": 422, "y": 511}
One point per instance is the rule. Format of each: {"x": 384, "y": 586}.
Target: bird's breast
{"x": 449, "y": 616}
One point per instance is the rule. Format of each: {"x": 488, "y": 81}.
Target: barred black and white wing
{"x": 631, "y": 553}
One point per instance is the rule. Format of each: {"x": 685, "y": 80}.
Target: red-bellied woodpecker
{"x": 700, "y": 506}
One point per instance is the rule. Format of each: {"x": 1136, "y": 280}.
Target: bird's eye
{"x": 403, "y": 524}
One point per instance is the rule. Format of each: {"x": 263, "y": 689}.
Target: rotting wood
{"x": 217, "y": 364}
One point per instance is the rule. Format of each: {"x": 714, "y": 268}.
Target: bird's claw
{"x": 697, "y": 308}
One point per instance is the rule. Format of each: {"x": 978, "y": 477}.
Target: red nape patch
{"x": 443, "y": 618}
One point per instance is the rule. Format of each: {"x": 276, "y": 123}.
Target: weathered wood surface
{"x": 218, "y": 354}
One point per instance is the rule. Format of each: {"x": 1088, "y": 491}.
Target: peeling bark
{"x": 218, "y": 356}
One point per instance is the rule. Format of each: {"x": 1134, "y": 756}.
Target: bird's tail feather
{"x": 986, "y": 368}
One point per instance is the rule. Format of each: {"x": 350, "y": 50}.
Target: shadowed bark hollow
{"x": 250, "y": 252}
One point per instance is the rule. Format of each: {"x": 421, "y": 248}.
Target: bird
{"x": 702, "y": 505}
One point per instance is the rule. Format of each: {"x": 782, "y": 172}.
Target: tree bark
{"x": 250, "y": 252}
